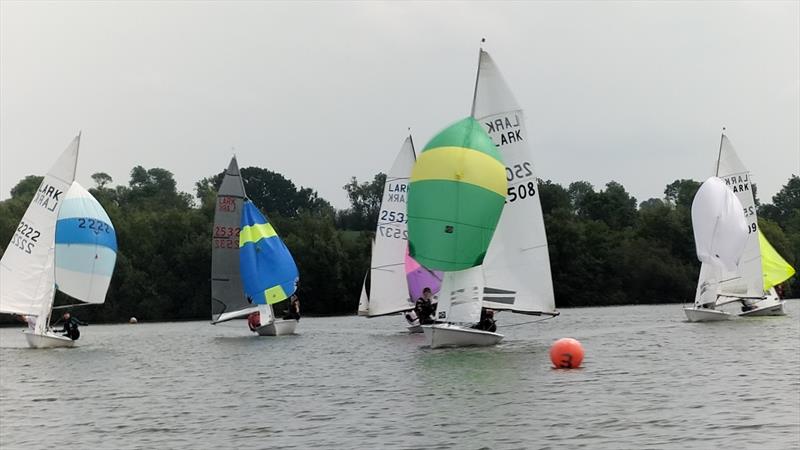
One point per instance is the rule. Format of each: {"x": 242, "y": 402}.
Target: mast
{"x": 411, "y": 140}
{"x": 77, "y": 152}
{"x": 477, "y": 75}
{"x": 719, "y": 155}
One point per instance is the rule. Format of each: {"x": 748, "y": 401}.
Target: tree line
{"x": 605, "y": 248}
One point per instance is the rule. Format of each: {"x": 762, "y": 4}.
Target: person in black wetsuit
{"x": 294, "y": 309}
{"x": 487, "y": 322}
{"x": 71, "y": 326}
{"x": 424, "y": 308}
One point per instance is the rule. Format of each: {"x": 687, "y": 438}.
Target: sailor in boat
{"x": 293, "y": 313}
{"x": 254, "y": 321}
{"x": 747, "y": 305}
{"x": 424, "y": 307}
{"x": 411, "y": 317}
{"x": 71, "y": 326}
{"x": 487, "y": 322}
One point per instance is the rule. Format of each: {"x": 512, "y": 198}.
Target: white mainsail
{"x": 228, "y": 300}
{"x": 460, "y": 296}
{"x": 731, "y": 170}
{"x": 517, "y": 263}
{"x": 27, "y": 269}
{"x": 388, "y": 286}
{"x": 720, "y": 235}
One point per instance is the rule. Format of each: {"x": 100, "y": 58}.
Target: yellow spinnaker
{"x": 775, "y": 269}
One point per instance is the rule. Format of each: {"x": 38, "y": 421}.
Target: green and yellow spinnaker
{"x": 775, "y": 269}
{"x": 457, "y": 191}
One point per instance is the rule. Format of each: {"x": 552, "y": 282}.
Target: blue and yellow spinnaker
{"x": 268, "y": 271}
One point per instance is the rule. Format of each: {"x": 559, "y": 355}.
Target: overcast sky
{"x": 632, "y": 92}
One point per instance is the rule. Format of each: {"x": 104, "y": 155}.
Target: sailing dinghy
{"x": 750, "y": 285}
{"x": 720, "y": 235}
{"x": 251, "y": 268}
{"x": 395, "y": 279}
{"x": 65, "y": 241}
{"x": 516, "y": 267}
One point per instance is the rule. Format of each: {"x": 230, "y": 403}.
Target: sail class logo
{"x": 738, "y": 183}
{"x": 48, "y": 197}
{"x": 504, "y": 130}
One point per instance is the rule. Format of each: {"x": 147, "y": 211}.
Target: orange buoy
{"x": 566, "y": 353}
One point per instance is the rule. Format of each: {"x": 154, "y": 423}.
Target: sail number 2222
{"x": 25, "y": 238}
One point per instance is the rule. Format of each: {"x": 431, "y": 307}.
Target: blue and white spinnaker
{"x": 86, "y": 247}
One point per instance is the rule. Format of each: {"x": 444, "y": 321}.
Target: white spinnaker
{"x": 720, "y": 235}
{"x": 388, "y": 286}
{"x": 517, "y": 263}
{"x": 460, "y": 296}
{"x": 27, "y": 269}
{"x": 86, "y": 247}
{"x": 228, "y": 300}
{"x": 731, "y": 170}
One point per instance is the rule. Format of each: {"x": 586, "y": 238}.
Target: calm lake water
{"x": 650, "y": 380}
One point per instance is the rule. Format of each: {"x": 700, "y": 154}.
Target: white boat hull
{"x": 771, "y": 309}
{"x": 47, "y": 340}
{"x": 706, "y": 315}
{"x": 277, "y": 328}
{"x": 447, "y": 335}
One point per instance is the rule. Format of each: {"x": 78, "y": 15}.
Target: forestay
{"x": 736, "y": 177}
{"x": 27, "y": 269}
{"x": 86, "y": 247}
{"x": 228, "y": 300}
{"x": 517, "y": 263}
{"x": 388, "y": 290}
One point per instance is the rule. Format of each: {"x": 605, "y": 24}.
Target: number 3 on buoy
{"x": 566, "y": 353}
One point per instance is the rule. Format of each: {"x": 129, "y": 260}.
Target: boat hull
{"x": 47, "y": 340}
{"x": 772, "y": 309}
{"x": 277, "y": 328}
{"x": 447, "y": 335}
{"x": 706, "y": 315}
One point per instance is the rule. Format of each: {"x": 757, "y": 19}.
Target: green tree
{"x": 365, "y": 203}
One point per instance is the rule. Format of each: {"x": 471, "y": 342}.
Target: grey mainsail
{"x": 228, "y": 300}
